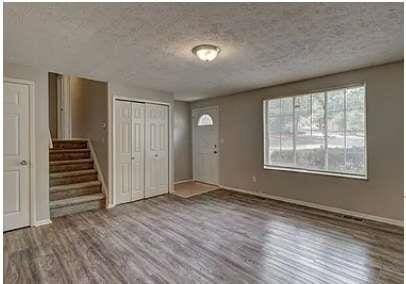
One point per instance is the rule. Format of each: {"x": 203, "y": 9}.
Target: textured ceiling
{"x": 150, "y": 45}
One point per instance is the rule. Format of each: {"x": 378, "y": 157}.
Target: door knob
{"x": 23, "y": 163}
{"x": 156, "y": 155}
{"x": 215, "y": 152}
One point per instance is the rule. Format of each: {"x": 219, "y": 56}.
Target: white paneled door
{"x": 138, "y": 151}
{"x": 123, "y": 145}
{"x": 16, "y": 151}
{"x": 206, "y": 145}
{"x": 141, "y": 150}
{"x": 157, "y": 154}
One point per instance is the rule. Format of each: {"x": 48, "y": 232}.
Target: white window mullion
{"x": 294, "y": 130}
{"x": 280, "y": 127}
{"x": 267, "y": 161}
{"x": 345, "y": 128}
{"x": 325, "y": 133}
{"x": 311, "y": 115}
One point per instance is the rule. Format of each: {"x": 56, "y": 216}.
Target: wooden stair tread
{"x": 62, "y": 150}
{"x": 74, "y": 185}
{"x": 72, "y": 173}
{"x": 68, "y": 162}
{"x": 76, "y": 200}
{"x": 69, "y": 140}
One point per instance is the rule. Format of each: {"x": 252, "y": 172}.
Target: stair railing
{"x": 50, "y": 140}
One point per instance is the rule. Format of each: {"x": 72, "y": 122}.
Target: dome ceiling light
{"x": 206, "y": 52}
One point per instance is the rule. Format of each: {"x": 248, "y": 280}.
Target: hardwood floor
{"x": 217, "y": 237}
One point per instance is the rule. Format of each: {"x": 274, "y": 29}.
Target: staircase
{"x": 73, "y": 181}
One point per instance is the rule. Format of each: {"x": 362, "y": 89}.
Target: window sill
{"x": 316, "y": 172}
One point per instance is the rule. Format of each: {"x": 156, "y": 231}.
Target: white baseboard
{"x": 42, "y": 222}
{"x": 395, "y": 222}
{"x": 183, "y": 181}
{"x": 109, "y": 206}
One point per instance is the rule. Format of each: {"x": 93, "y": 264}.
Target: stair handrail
{"x": 50, "y": 145}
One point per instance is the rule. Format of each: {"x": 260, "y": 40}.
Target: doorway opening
{"x": 78, "y": 154}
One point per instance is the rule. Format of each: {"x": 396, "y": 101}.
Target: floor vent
{"x": 353, "y": 218}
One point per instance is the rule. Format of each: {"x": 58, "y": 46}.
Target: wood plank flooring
{"x": 217, "y": 237}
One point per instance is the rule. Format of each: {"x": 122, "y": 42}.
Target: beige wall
{"x": 241, "y": 129}
{"x": 124, "y": 90}
{"x": 242, "y": 149}
{"x": 182, "y": 134}
{"x": 53, "y": 104}
{"x": 40, "y": 78}
{"x": 89, "y": 116}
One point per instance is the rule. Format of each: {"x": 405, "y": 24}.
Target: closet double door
{"x": 141, "y": 150}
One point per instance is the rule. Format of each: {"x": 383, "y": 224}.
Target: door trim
{"x": 111, "y": 199}
{"x": 194, "y": 111}
{"x": 32, "y": 142}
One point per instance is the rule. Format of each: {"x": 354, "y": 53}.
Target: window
{"x": 322, "y": 132}
{"x": 205, "y": 120}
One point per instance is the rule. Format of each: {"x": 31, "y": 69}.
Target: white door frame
{"x": 31, "y": 135}
{"x": 194, "y": 148}
{"x": 112, "y": 171}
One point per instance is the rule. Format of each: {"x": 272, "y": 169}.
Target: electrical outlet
{"x": 254, "y": 178}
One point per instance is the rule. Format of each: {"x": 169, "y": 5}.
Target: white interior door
{"x": 64, "y": 111}
{"x": 206, "y": 145}
{"x": 157, "y": 153}
{"x": 123, "y": 151}
{"x": 138, "y": 151}
{"x": 16, "y": 202}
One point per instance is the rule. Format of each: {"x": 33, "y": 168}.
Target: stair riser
{"x": 70, "y": 167}
{"x": 73, "y": 209}
{"x": 68, "y": 156}
{"x": 64, "y": 194}
{"x": 70, "y": 145}
{"x": 72, "y": 179}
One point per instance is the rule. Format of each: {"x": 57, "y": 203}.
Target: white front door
{"x": 16, "y": 195}
{"x": 206, "y": 145}
{"x": 156, "y": 154}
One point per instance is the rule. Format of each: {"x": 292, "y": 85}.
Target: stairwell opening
{"x": 78, "y": 154}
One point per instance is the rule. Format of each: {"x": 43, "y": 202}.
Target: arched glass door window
{"x": 205, "y": 120}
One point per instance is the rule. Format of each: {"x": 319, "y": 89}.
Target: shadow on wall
{"x": 183, "y": 141}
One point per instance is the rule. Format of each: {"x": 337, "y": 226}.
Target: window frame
{"x": 314, "y": 171}
{"x": 202, "y": 116}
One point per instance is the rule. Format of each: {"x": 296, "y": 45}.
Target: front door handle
{"x": 215, "y": 152}
{"x": 23, "y": 163}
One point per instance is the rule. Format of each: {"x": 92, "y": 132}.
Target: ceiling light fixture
{"x": 206, "y": 52}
